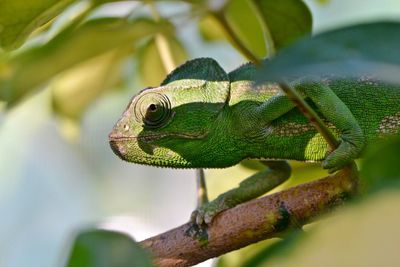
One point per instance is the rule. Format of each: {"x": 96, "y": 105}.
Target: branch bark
{"x": 253, "y": 221}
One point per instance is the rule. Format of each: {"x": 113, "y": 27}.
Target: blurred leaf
{"x": 20, "y": 74}
{"x": 76, "y": 88}
{"x": 350, "y": 51}
{"x": 241, "y": 16}
{"x": 285, "y": 20}
{"x": 257, "y": 254}
{"x": 243, "y": 19}
{"x": 74, "y": 15}
{"x": 279, "y": 248}
{"x": 102, "y": 248}
{"x": 238, "y": 257}
{"x": 381, "y": 166}
{"x": 210, "y": 30}
{"x": 19, "y": 18}
{"x": 364, "y": 234}
{"x": 152, "y": 67}
{"x": 262, "y": 26}
{"x": 323, "y": 2}
{"x": 71, "y": 17}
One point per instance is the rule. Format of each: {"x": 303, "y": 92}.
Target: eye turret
{"x": 153, "y": 110}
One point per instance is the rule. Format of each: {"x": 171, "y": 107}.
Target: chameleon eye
{"x": 153, "y": 109}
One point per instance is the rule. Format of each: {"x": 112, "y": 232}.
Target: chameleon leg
{"x": 332, "y": 108}
{"x": 335, "y": 111}
{"x": 254, "y": 186}
{"x": 202, "y": 197}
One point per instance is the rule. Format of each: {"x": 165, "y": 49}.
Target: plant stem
{"x": 310, "y": 114}
{"x": 162, "y": 44}
{"x": 234, "y": 39}
{"x": 202, "y": 196}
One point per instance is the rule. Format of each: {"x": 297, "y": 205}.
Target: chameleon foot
{"x": 342, "y": 156}
{"x": 206, "y": 213}
{"x": 254, "y": 186}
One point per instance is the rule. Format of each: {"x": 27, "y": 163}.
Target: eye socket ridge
{"x": 153, "y": 110}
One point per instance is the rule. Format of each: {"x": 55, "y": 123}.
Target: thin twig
{"x": 163, "y": 47}
{"x": 202, "y": 195}
{"x": 310, "y": 114}
{"x": 233, "y": 38}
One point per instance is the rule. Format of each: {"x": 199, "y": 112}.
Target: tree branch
{"x": 253, "y": 221}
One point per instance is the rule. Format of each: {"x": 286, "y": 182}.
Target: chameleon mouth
{"x": 148, "y": 138}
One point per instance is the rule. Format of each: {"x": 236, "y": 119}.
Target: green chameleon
{"x": 202, "y": 117}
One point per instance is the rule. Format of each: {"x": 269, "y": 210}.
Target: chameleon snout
{"x": 117, "y": 143}
{"x": 116, "y": 135}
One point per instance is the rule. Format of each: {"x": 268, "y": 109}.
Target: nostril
{"x": 114, "y": 135}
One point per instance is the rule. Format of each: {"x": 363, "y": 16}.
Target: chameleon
{"x": 203, "y": 117}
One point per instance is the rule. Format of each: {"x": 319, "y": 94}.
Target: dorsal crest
{"x": 201, "y": 72}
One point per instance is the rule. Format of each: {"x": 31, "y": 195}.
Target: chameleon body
{"x": 203, "y": 117}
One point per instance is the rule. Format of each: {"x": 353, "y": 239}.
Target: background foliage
{"x": 67, "y": 70}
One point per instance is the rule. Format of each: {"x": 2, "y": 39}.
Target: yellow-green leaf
{"x": 22, "y": 73}
{"x": 260, "y": 26}
{"x": 19, "y": 18}
{"x": 75, "y": 89}
{"x": 285, "y": 20}
{"x": 210, "y": 29}
{"x": 158, "y": 57}
{"x": 242, "y": 16}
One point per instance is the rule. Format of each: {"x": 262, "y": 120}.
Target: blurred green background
{"x": 57, "y": 172}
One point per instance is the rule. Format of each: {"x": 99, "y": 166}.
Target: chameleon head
{"x": 177, "y": 124}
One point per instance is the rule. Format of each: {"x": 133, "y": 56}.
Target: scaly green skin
{"x": 202, "y": 117}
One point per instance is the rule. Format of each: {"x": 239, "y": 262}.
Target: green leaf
{"x": 102, "y": 248}
{"x": 210, "y": 30}
{"x": 381, "y": 165}
{"x": 261, "y": 26}
{"x": 22, "y": 73}
{"x": 153, "y": 65}
{"x": 19, "y": 18}
{"x": 243, "y": 19}
{"x": 75, "y": 89}
{"x": 285, "y": 20}
{"x": 351, "y": 51}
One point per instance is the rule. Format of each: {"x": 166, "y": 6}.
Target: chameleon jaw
{"x": 141, "y": 149}
{"x": 131, "y": 152}
{"x": 117, "y": 149}
{"x": 116, "y": 137}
